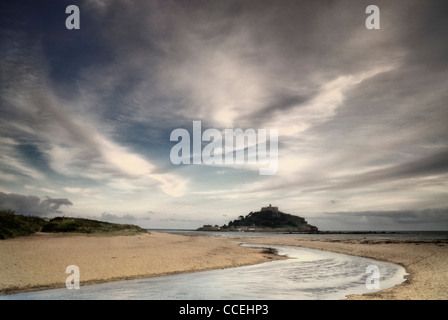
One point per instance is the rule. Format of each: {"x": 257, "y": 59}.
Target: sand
{"x": 426, "y": 262}
{"x": 39, "y": 261}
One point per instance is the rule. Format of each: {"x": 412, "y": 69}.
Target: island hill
{"x": 268, "y": 219}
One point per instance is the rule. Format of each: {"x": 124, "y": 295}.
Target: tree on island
{"x": 267, "y": 219}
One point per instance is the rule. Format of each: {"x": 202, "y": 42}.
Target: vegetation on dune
{"x": 63, "y": 224}
{"x": 13, "y": 225}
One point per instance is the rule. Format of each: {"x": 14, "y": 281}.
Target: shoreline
{"x": 38, "y": 262}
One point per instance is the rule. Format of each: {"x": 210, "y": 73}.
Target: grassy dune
{"x": 13, "y": 225}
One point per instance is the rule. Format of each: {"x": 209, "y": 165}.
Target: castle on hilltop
{"x": 268, "y": 219}
{"x": 270, "y": 208}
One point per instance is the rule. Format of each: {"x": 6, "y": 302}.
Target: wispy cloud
{"x": 71, "y": 143}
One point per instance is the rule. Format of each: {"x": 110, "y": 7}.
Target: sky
{"x": 86, "y": 114}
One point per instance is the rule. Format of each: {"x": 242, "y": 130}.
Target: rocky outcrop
{"x": 267, "y": 219}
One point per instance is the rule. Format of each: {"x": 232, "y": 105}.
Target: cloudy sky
{"x": 86, "y": 115}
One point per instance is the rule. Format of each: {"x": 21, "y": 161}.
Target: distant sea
{"x": 428, "y": 235}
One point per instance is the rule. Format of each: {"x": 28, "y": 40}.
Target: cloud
{"x": 361, "y": 114}
{"x": 40, "y": 188}
{"x": 125, "y": 219}
{"x": 350, "y": 108}
{"x": 425, "y": 219}
{"x": 86, "y": 192}
{"x": 32, "y": 205}
{"x": 433, "y": 165}
{"x": 105, "y": 216}
{"x": 53, "y": 205}
{"x": 69, "y": 142}
{"x": 13, "y": 165}
{"x": 322, "y": 106}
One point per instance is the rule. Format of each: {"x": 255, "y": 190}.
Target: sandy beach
{"x": 39, "y": 261}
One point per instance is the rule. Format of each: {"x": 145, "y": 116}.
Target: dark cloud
{"x": 32, "y": 205}
{"x": 431, "y": 165}
{"x": 423, "y": 26}
{"x": 53, "y": 205}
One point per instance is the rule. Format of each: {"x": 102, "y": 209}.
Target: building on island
{"x": 268, "y": 219}
{"x": 270, "y": 208}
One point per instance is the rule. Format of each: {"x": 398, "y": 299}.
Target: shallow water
{"x": 309, "y": 274}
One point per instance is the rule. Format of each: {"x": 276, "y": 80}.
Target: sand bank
{"x": 40, "y": 261}
{"x": 426, "y": 261}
